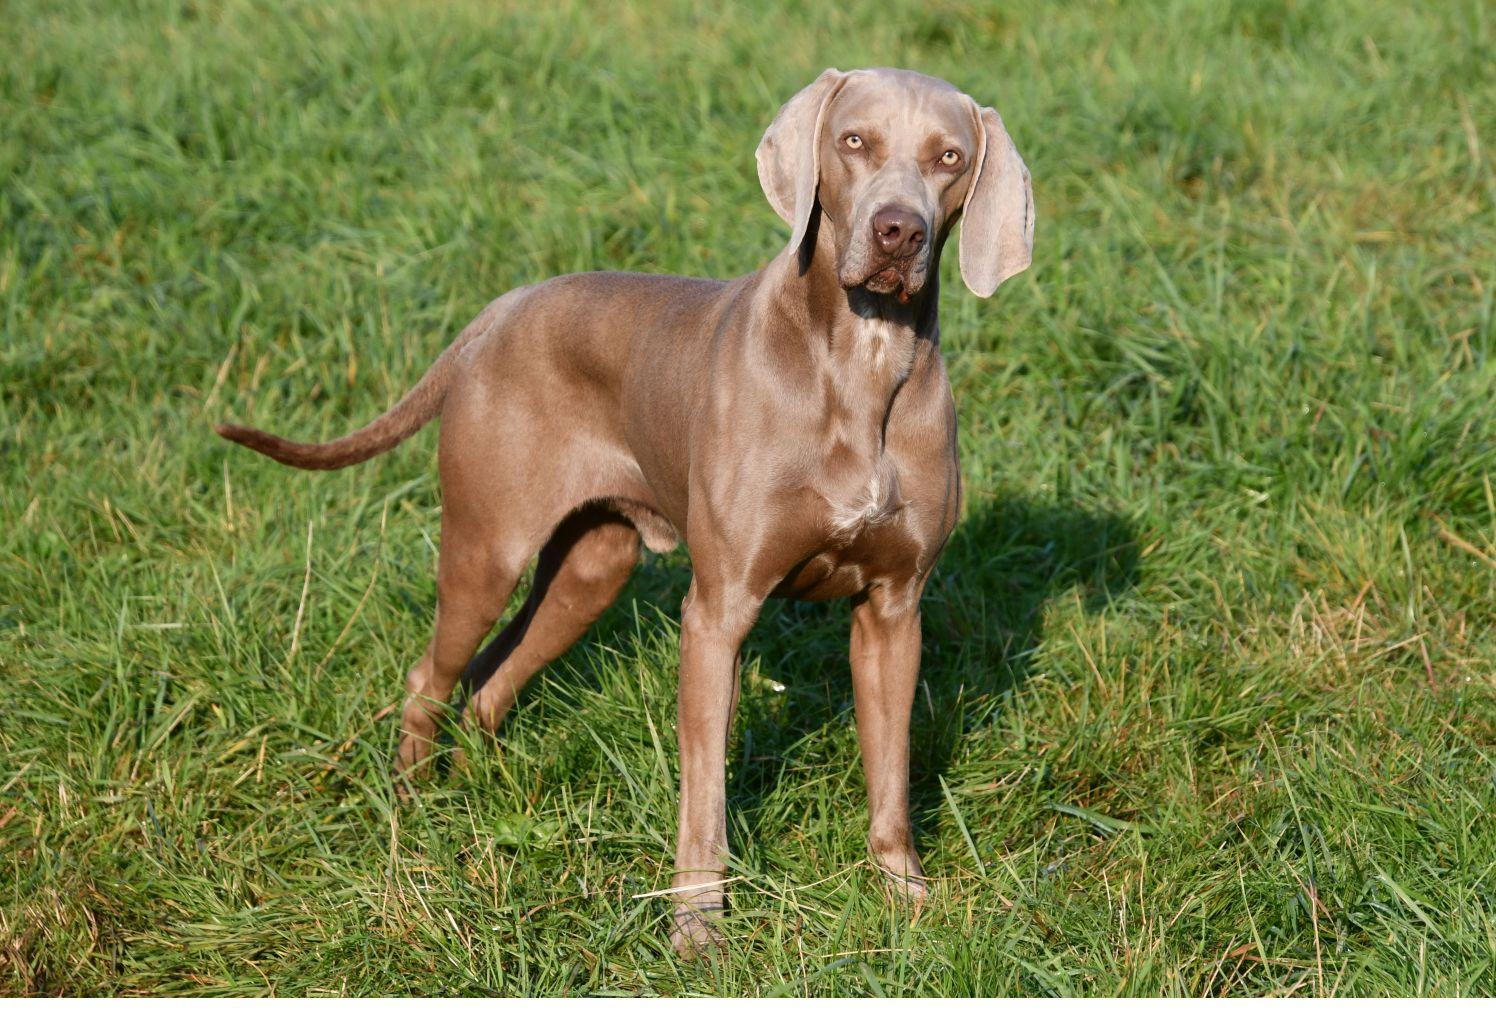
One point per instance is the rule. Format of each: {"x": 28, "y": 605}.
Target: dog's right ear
{"x": 788, "y": 157}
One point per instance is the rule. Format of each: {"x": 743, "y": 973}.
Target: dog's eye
{"x": 853, "y": 141}
{"x": 950, "y": 158}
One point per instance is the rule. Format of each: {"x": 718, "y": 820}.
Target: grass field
{"x": 1209, "y": 700}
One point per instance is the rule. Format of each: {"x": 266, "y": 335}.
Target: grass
{"x": 1211, "y": 660}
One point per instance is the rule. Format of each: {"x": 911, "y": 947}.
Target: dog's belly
{"x": 822, "y": 577}
{"x": 840, "y": 571}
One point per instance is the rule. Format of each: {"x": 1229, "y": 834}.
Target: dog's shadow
{"x": 983, "y": 613}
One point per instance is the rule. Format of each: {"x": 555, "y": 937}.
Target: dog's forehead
{"x": 902, "y": 98}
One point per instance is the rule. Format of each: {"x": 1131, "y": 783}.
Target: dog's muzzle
{"x": 894, "y": 254}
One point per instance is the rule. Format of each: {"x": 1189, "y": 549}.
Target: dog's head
{"x": 891, "y": 159}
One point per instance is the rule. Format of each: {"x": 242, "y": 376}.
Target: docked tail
{"x": 385, "y": 432}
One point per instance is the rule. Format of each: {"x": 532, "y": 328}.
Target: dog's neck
{"x": 865, "y": 342}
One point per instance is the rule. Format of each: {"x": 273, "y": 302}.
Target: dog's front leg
{"x": 714, "y": 622}
{"x": 885, "y": 667}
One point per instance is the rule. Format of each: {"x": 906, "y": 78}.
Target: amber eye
{"x": 950, "y": 158}
{"x": 854, "y": 142}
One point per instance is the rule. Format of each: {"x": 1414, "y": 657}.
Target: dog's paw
{"x": 905, "y": 888}
{"x": 694, "y": 932}
{"x": 405, "y": 788}
{"x": 408, "y": 778}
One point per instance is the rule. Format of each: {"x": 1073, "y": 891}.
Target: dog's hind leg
{"x": 581, "y": 570}
{"x": 474, "y": 581}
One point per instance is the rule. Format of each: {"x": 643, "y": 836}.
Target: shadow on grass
{"x": 983, "y": 613}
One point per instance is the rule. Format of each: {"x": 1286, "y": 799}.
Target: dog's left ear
{"x": 789, "y": 157}
{"x": 997, "y": 228}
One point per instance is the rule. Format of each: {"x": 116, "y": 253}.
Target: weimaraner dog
{"x": 795, "y": 426}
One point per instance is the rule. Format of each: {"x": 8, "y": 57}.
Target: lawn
{"x": 1209, "y": 684}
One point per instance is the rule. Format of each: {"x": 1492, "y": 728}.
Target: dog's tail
{"x": 385, "y": 432}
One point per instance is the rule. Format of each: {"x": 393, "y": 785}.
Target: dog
{"x": 795, "y": 427}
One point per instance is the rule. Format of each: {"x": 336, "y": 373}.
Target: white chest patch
{"x": 876, "y": 503}
{"x": 885, "y": 348}
{"x": 873, "y": 339}
{"x": 871, "y": 334}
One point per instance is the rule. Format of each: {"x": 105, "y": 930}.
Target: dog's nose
{"x": 899, "y": 230}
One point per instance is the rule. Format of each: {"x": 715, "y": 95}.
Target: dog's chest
{"x": 868, "y": 498}
{"x": 862, "y": 529}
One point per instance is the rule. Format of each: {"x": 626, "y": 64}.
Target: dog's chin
{"x": 886, "y": 281}
{"x": 901, "y": 283}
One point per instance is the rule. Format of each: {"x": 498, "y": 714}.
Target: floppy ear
{"x": 997, "y": 228}
{"x": 788, "y": 157}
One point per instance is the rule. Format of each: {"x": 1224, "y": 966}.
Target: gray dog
{"x": 795, "y": 426}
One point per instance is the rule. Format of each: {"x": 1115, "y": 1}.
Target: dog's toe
{"x": 694, "y": 931}
{"x": 907, "y": 888}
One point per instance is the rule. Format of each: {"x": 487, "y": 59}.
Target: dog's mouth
{"x": 901, "y": 282}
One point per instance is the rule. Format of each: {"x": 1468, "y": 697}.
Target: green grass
{"x": 1209, "y": 700}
